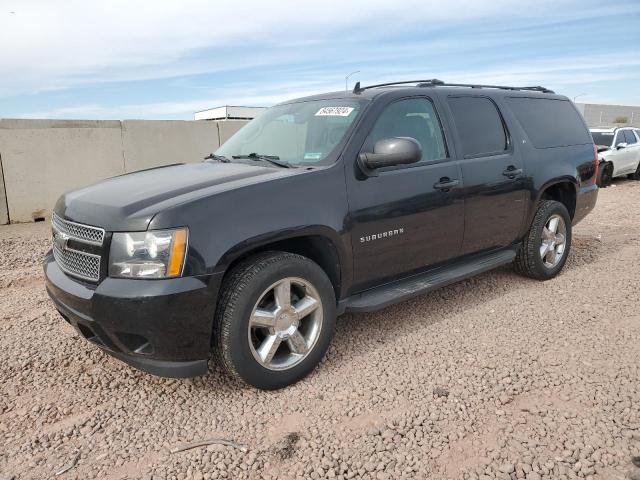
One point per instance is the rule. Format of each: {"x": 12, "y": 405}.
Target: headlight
{"x": 153, "y": 254}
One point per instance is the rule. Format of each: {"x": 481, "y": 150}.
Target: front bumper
{"x": 162, "y": 327}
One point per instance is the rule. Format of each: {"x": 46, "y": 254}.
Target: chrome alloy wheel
{"x": 285, "y": 323}
{"x": 554, "y": 237}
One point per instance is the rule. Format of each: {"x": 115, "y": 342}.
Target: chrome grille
{"x": 83, "y": 233}
{"x": 79, "y": 264}
{"x": 74, "y": 262}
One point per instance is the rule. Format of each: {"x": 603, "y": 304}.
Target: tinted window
{"x": 602, "y": 138}
{"x": 548, "y": 122}
{"x": 479, "y": 126}
{"x": 631, "y": 138}
{"x": 415, "y": 118}
{"x": 620, "y": 137}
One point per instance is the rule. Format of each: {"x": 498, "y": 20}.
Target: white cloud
{"x": 50, "y": 45}
{"x": 65, "y": 46}
{"x": 555, "y": 73}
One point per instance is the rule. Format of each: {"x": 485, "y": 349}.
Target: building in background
{"x": 601, "y": 115}
{"x": 229, "y": 113}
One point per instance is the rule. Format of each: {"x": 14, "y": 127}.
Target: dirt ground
{"x": 495, "y": 377}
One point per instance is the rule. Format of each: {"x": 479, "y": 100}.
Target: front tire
{"x": 545, "y": 249}
{"x": 605, "y": 174}
{"x": 274, "y": 320}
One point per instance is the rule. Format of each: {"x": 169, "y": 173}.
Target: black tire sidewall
{"x": 552, "y": 209}
{"x": 605, "y": 175}
{"x": 239, "y": 351}
{"x": 609, "y": 174}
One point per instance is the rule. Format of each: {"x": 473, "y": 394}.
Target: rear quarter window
{"x": 549, "y": 122}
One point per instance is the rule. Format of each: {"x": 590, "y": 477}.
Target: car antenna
{"x": 356, "y": 88}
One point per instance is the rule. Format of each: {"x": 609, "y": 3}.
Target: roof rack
{"x": 434, "y": 82}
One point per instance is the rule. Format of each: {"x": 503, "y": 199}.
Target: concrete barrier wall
{"x": 41, "y": 159}
{"x": 152, "y": 143}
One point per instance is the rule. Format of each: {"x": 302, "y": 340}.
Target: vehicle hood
{"x": 129, "y": 202}
{"x": 603, "y": 148}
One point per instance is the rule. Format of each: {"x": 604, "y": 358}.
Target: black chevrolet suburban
{"x": 341, "y": 202}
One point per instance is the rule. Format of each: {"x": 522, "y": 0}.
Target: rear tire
{"x": 546, "y": 246}
{"x": 605, "y": 174}
{"x": 635, "y": 175}
{"x": 275, "y": 319}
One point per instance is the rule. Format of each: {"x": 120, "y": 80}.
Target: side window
{"x": 479, "y": 126}
{"x": 415, "y": 118}
{"x": 551, "y": 122}
{"x": 620, "y": 138}
{"x": 631, "y": 138}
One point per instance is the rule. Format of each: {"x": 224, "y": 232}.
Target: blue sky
{"x": 160, "y": 59}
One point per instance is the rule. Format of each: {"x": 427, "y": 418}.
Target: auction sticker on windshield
{"x": 334, "y": 112}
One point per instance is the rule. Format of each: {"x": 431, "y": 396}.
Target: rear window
{"x": 479, "y": 126}
{"x": 548, "y": 122}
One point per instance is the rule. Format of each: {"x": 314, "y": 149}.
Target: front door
{"x": 495, "y": 185}
{"x": 408, "y": 217}
{"x": 626, "y": 157}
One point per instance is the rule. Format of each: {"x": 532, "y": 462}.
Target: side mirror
{"x": 622, "y": 145}
{"x": 389, "y": 152}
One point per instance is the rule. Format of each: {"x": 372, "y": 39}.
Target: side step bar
{"x": 406, "y": 288}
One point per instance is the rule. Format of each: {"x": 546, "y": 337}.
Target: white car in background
{"x": 619, "y": 153}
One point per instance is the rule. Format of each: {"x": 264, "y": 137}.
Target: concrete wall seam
{"x": 4, "y": 204}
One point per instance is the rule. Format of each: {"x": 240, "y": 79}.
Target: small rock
{"x": 440, "y": 392}
{"x": 507, "y": 468}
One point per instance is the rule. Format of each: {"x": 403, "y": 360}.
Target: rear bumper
{"x": 159, "y": 326}
{"x": 586, "y": 199}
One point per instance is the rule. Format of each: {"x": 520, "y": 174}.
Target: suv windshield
{"x": 602, "y": 138}
{"x": 298, "y": 134}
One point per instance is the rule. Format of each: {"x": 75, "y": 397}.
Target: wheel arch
{"x": 563, "y": 190}
{"x": 320, "y": 244}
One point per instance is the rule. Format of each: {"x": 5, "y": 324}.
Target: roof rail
{"x": 434, "y": 82}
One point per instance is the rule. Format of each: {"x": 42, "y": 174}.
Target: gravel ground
{"x": 495, "y": 377}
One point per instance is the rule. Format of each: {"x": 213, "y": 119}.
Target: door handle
{"x": 512, "y": 172}
{"x": 445, "y": 184}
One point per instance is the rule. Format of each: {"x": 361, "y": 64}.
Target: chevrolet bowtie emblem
{"x": 61, "y": 239}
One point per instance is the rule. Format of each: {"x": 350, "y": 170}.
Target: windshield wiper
{"x": 272, "y": 159}
{"x": 219, "y": 158}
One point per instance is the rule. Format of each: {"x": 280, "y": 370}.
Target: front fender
{"x": 260, "y": 241}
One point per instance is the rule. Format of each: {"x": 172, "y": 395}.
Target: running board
{"x": 401, "y": 290}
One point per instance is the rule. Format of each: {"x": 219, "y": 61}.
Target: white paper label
{"x": 334, "y": 112}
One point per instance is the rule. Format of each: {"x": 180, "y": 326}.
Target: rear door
{"x": 633, "y": 148}
{"x": 407, "y": 217}
{"x": 492, "y": 171}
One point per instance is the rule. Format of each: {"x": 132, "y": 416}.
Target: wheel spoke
{"x": 560, "y": 239}
{"x": 297, "y": 343}
{"x": 553, "y": 224}
{"x": 283, "y": 293}
{"x": 268, "y": 348}
{"x": 544, "y": 249}
{"x": 306, "y": 306}
{"x": 263, "y": 318}
{"x": 547, "y": 234}
{"x": 551, "y": 256}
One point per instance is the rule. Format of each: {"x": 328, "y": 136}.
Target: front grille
{"x": 77, "y": 248}
{"x": 78, "y": 264}
{"x": 77, "y": 231}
